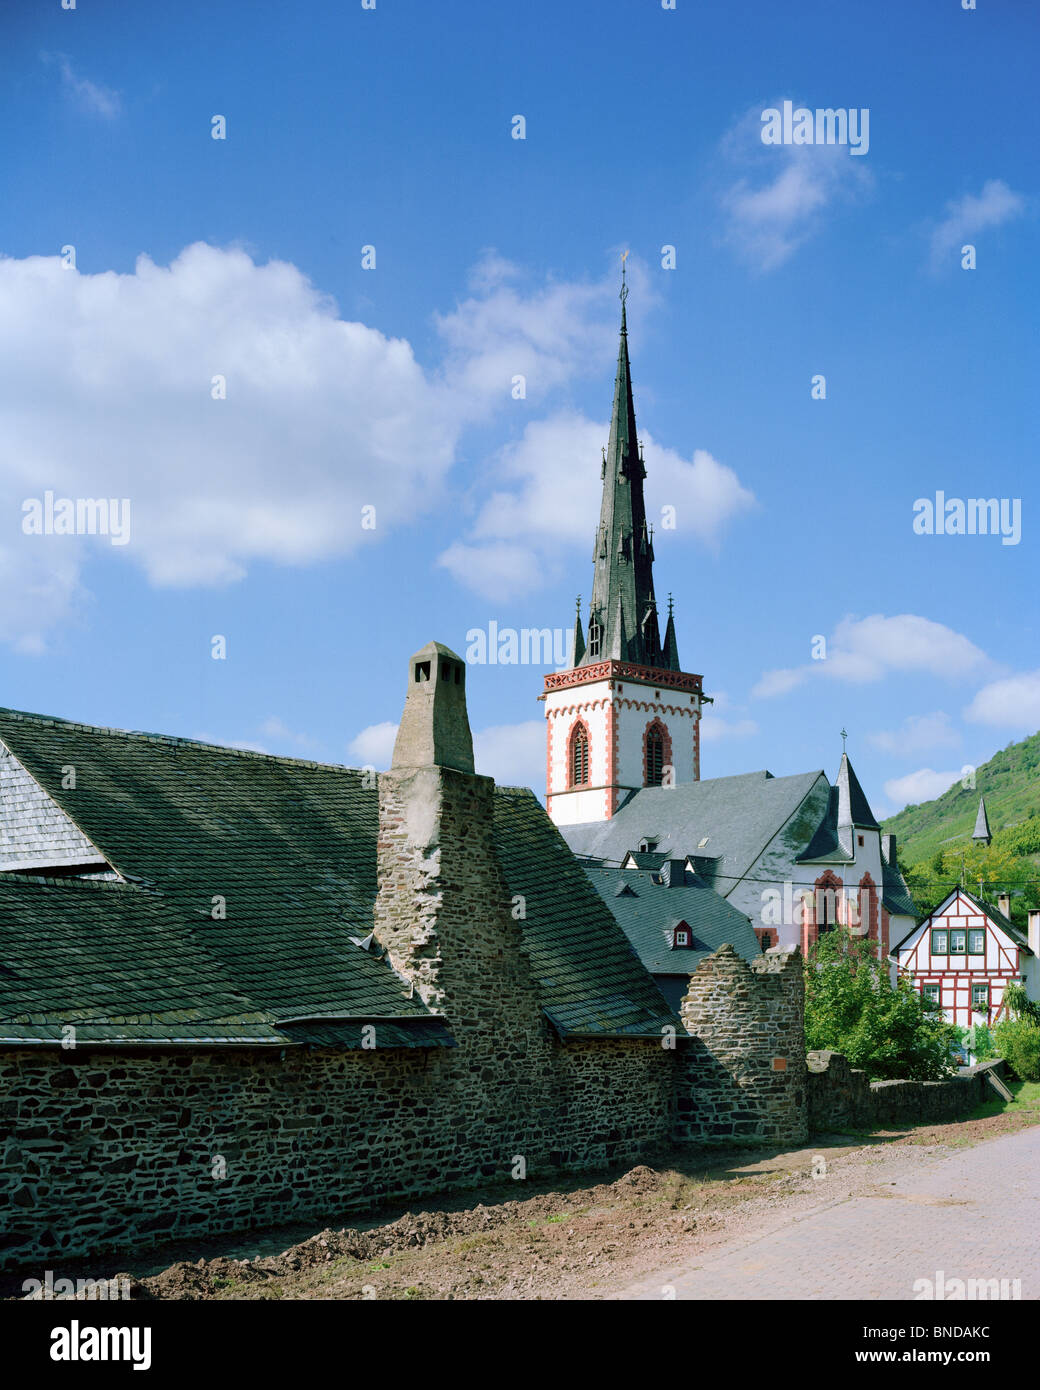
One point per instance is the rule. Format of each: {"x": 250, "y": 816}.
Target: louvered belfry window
{"x": 580, "y": 757}
{"x": 654, "y": 758}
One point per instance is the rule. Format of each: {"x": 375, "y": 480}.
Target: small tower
{"x": 981, "y": 834}
{"x": 623, "y": 715}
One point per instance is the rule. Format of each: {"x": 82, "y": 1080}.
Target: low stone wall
{"x": 843, "y": 1097}
{"x": 102, "y": 1151}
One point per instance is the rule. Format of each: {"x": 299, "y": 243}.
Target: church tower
{"x": 622, "y": 715}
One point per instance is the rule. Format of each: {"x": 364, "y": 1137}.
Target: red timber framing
{"x": 943, "y": 951}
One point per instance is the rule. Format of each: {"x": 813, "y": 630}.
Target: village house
{"x": 965, "y": 953}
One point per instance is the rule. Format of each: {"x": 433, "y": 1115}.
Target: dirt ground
{"x": 570, "y": 1241}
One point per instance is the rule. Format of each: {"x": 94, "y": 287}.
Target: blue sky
{"x": 497, "y": 257}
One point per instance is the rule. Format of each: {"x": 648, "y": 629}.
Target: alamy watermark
{"x": 530, "y": 646}
{"x": 942, "y": 1288}
{"x": 791, "y": 906}
{"x": 77, "y": 516}
{"x": 827, "y": 126}
{"x": 48, "y": 1287}
{"x": 975, "y": 516}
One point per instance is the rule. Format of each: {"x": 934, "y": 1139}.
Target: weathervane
{"x": 844, "y": 736}
{"x": 624, "y": 288}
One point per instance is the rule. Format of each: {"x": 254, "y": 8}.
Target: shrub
{"x": 1018, "y": 1042}
{"x": 851, "y": 1007}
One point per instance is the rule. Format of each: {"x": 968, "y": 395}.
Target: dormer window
{"x": 681, "y": 936}
{"x": 595, "y": 638}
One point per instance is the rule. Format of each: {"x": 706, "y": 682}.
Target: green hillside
{"x": 1010, "y": 782}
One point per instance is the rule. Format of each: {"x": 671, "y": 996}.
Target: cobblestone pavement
{"x": 973, "y": 1215}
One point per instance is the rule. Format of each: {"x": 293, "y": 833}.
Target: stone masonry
{"x": 843, "y": 1097}
{"x": 746, "y": 1076}
{"x": 103, "y": 1149}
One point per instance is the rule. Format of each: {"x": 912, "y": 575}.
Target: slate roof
{"x": 649, "y": 912}
{"x": 591, "y": 976}
{"x": 895, "y": 895}
{"x": 982, "y": 830}
{"x": 290, "y": 847}
{"x": 739, "y": 816}
{"x": 646, "y": 859}
{"x": 853, "y": 806}
{"x": 826, "y": 843}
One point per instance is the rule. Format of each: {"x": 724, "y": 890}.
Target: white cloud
{"x": 550, "y": 497}
{"x": 108, "y": 388}
{"x": 1012, "y": 703}
{"x": 496, "y": 571}
{"x": 714, "y": 728}
{"x": 967, "y": 216}
{"x": 247, "y": 745}
{"x": 279, "y": 731}
{"x": 91, "y": 97}
{"x": 109, "y": 380}
{"x": 374, "y": 746}
{"x": 513, "y": 754}
{"x": 866, "y": 649}
{"x": 39, "y": 588}
{"x": 923, "y": 785}
{"x": 917, "y": 733}
{"x": 780, "y": 203}
{"x": 547, "y": 334}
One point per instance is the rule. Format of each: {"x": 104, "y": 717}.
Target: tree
{"x": 851, "y": 1007}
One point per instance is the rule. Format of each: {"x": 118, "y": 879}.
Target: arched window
{"x": 654, "y": 755}
{"x": 580, "y": 756}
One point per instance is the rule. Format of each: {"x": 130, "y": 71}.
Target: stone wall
{"x": 105, "y": 1150}
{"x": 843, "y": 1097}
{"x": 112, "y": 1149}
{"x": 744, "y": 1075}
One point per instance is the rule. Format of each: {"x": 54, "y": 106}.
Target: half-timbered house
{"x": 964, "y": 954}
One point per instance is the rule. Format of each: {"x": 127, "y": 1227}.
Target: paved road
{"x": 974, "y": 1215}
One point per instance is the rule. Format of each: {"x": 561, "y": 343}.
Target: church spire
{"x": 623, "y": 622}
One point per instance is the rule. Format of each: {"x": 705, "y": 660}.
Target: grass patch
{"x": 1025, "y": 1102}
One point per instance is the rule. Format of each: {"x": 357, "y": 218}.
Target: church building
{"x": 794, "y": 855}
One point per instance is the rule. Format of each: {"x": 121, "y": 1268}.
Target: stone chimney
{"x": 434, "y": 729}
{"x": 1004, "y": 903}
{"x": 1033, "y": 930}
{"x": 888, "y": 849}
{"x": 443, "y": 911}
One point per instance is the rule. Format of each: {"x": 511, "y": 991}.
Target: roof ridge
{"x": 174, "y": 740}
{"x": 121, "y": 885}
